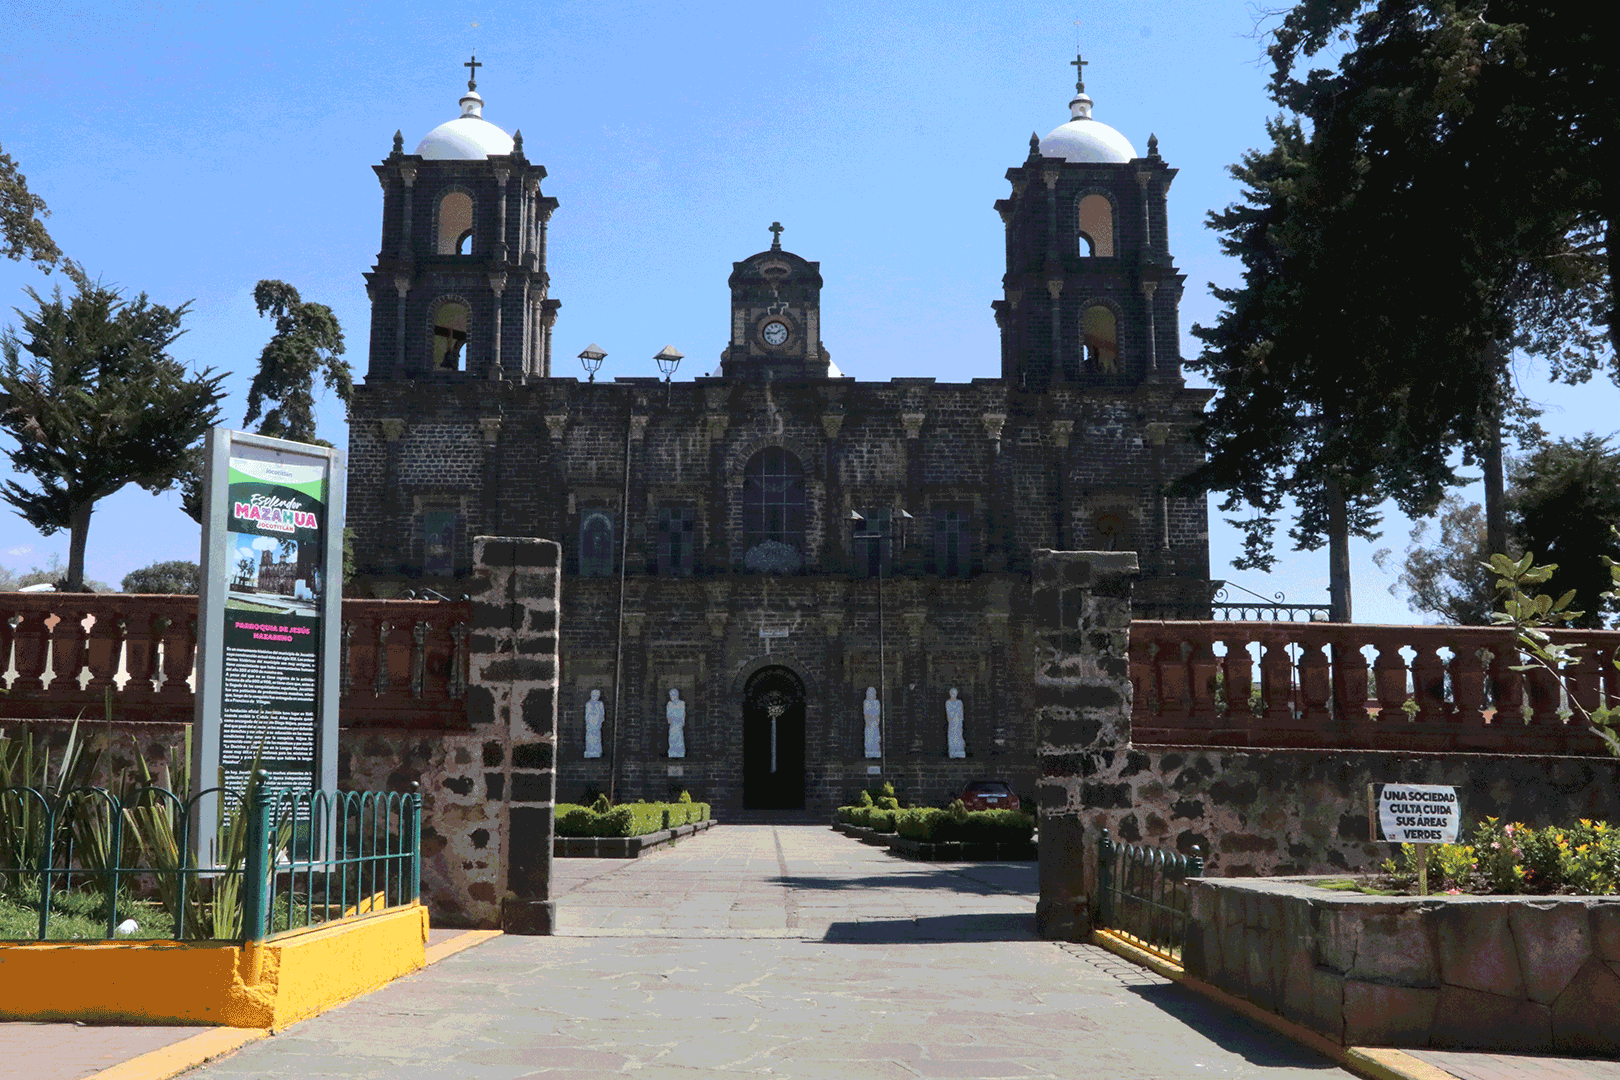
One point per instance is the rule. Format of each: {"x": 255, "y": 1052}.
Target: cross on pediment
{"x": 472, "y": 67}
{"x": 776, "y": 236}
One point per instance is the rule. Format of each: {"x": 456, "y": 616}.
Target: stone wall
{"x": 1488, "y": 973}
{"x": 1080, "y": 695}
{"x": 1263, "y": 813}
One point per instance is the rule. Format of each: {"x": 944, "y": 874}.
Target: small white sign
{"x": 1419, "y": 814}
{"x": 675, "y": 770}
{"x": 874, "y": 770}
{"x": 773, "y": 631}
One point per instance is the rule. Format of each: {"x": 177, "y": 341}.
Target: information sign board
{"x": 267, "y": 633}
{"x": 1419, "y": 813}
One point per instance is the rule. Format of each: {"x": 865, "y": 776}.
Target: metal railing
{"x": 1142, "y": 894}
{"x": 81, "y": 863}
{"x": 353, "y": 853}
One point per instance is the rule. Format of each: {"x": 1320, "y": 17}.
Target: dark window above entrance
{"x": 677, "y": 533}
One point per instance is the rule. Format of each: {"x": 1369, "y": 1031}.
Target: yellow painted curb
{"x": 253, "y": 985}
{"x": 451, "y": 946}
{"x": 188, "y": 1053}
{"x": 1378, "y": 1063}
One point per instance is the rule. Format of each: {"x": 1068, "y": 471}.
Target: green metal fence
{"x": 1142, "y": 894}
{"x": 79, "y": 863}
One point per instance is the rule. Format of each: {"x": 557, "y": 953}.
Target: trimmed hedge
{"x": 869, "y": 817}
{"x": 628, "y": 819}
{"x": 934, "y": 826}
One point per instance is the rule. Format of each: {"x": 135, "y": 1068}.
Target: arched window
{"x": 773, "y": 500}
{"x": 1101, "y": 337}
{"x": 455, "y": 224}
{"x": 449, "y": 336}
{"x": 596, "y": 544}
{"x": 1096, "y": 226}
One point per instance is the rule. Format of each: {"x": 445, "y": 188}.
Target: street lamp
{"x": 592, "y": 358}
{"x": 669, "y": 358}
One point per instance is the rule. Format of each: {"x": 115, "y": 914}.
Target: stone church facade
{"x": 781, "y": 584}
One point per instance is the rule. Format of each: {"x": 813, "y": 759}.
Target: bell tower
{"x": 460, "y": 288}
{"x": 775, "y": 317}
{"x": 1091, "y": 295}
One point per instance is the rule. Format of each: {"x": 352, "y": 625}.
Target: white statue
{"x": 593, "y": 725}
{"x": 872, "y": 710}
{"x": 675, "y": 713}
{"x": 954, "y": 743}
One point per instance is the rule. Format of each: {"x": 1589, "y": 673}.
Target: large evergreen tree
{"x": 1433, "y": 205}
{"x": 94, "y": 401}
{"x": 307, "y": 342}
{"x": 22, "y": 228}
{"x": 1562, "y": 505}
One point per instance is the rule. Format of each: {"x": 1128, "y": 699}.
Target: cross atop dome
{"x": 472, "y": 67}
{"x": 776, "y": 236}
{"x": 1079, "y": 65}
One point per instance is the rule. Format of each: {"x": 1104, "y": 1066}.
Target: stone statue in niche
{"x": 955, "y": 744}
{"x": 593, "y": 725}
{"x": 872, "y": 712}
{"x": 675, "y": 713}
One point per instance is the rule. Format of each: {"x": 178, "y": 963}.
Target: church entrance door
{"x": 773, "y": 740}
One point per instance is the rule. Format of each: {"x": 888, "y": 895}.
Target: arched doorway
{"x": 773, "y": 740}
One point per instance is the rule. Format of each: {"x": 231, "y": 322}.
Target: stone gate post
{"x": 512, "y": 705}
{"x": 1081, "y": 695}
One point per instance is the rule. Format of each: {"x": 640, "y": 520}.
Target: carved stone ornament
{"x": 1062, "y": 431}
{"x": 491, "y": 427}
{"x": 832, "y": 422}
{"x": 913, "y": 422}
{"x": 993, "y": 422}
{"x": 638, "y": 425}
{"x": 557, "y": 425}
{"x": 392, "y": 429}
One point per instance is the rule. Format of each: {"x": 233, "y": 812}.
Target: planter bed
{"x": 864, "y": 835}
{"x": 962, "y": 851}
{"x": 949, "y": 851}
{"x": 1519, "y": 972}
{"x": 623, "y": 847}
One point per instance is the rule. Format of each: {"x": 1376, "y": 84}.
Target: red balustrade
{"x": 1350, "y": 686}
{"x": 402, "y": 663}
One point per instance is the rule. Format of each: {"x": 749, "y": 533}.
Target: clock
{"x": 775, "y": 332}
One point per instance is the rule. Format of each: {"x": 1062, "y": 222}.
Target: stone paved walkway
{"x": 768, "y": 952}
{"x": 780, "y": 952}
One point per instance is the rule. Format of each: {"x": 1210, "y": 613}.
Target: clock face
{"x": 775, "y": 332}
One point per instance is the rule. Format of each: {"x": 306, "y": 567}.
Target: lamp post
{"x": 668, "y": 358}
{"x": 886, "y": 537}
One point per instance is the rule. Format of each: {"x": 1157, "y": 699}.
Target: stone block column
{"x": 1080, "y": 616}
{"x": 512, "y": 704}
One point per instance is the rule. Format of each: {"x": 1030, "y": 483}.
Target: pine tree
{"x": 94, "y": 401}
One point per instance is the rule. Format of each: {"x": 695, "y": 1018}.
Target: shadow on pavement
{"x": 1014, "y": 880}
{"x": 1233, "y": 1033}
{"x": 935, "y": 929}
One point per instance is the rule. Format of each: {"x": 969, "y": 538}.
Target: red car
{"x": 989, "y": 795}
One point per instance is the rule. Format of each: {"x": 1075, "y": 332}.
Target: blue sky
{"x": 190, "y": 151}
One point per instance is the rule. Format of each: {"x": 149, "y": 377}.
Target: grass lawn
{"x": 80, "y": 916}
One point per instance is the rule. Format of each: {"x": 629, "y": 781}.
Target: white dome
{"x": 1087, "y": 140}
{"x": 469, "y": 137}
